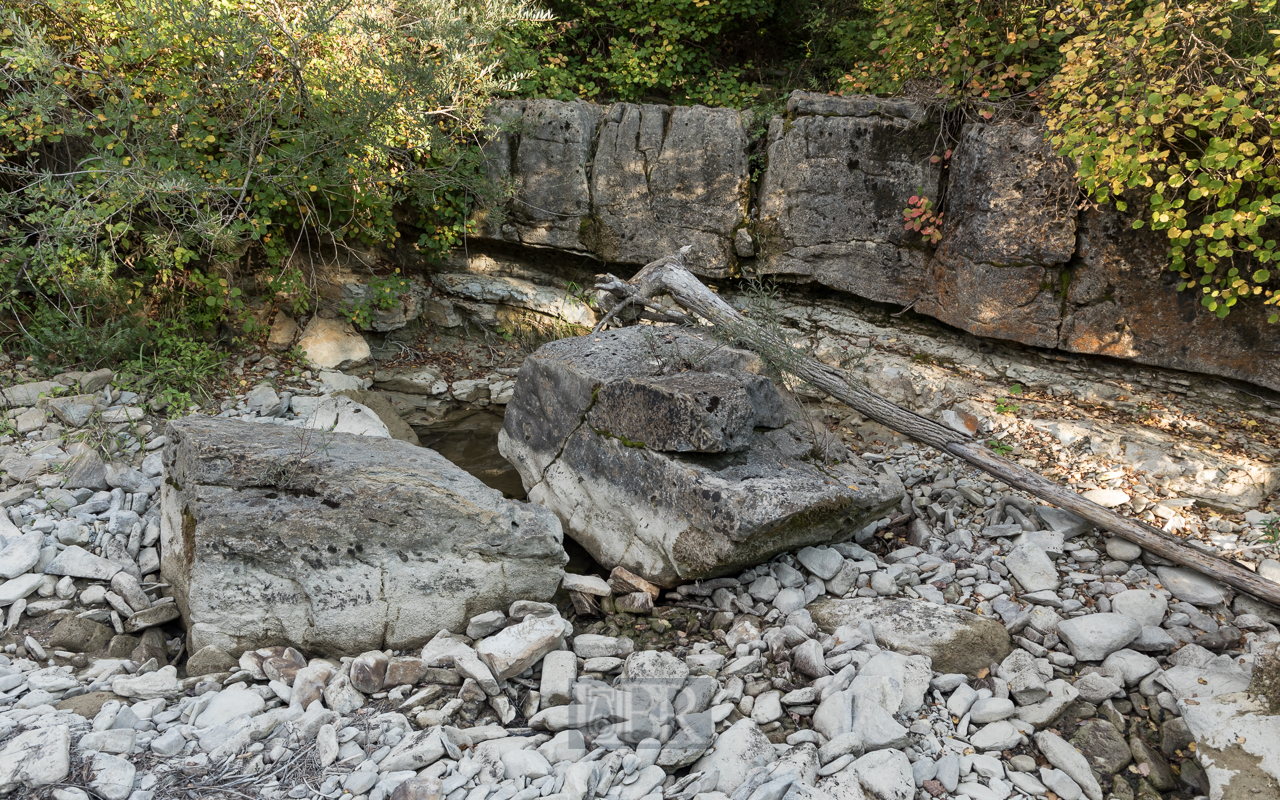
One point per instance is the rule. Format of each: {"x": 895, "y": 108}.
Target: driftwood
{"x": 668, "y": 276}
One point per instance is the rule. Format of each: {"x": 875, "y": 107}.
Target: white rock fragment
{"x": 515, "y": 649}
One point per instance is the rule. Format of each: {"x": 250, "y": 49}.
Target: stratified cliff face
{"x": 1017, "y": 259}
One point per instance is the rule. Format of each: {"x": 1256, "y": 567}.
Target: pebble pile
{"x": 972, "y": 645}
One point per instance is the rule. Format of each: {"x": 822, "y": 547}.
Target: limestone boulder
{"x": 518, "y": 292}
{"x": 35, "y": 758}
{"x": 283, "y": 331}
{"x": 627, "y": 183}
{"x": 955, "y": 641}
{"x": 666, "y": 454}
{"x": 543, "y": 149}
{"x": 666, "y": 177}
{"x": 412, "y": 380}
{"x": 1122, "y": 301}
{"x": 345, "y": 546}
{"x": 29, "y": 394}
{"x": 333, "y": 344}
{"x": 689, "y": 412}
{"x": 339, "y": 414}
{"x": 378, "y": 403}
{"x": 1010, "y": 225}
{"x": 1236, "y": 744}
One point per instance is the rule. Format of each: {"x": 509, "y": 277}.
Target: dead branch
{"x": 669, "y": 276}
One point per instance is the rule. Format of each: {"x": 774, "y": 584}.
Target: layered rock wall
{"x": 1018, "y": 259}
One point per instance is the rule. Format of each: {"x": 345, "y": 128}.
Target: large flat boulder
{"x": 517, "y": 292}
{"x": 627, "y": 183}
{"x": 1122, "y": 301}
{"x": 543, "y": 150}
{"x": 956, "y": 641}
{"x": 1010, "y": 227}
{"x": 664, "y": 453}
{"x": 338, "y": 544}
{"x": 1230, "y": 716}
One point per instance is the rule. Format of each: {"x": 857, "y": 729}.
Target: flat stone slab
{"x": 956, "y": 641}
{"x": 28, "y": 394}
{"x": 1191, "y": 586}
{"x": 1236, "y": 743}
{"x": 690, "y": 411}
{"x": 77, "y": 562}
{"x": 338, "y": 544}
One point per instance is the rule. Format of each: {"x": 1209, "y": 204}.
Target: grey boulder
{"x": 1093, "y": 637}
{"x": 629, "y": 183}
{"x": 668, "y": 454}
{"x": 826, "y": 199}
{"x": 1191, "y": 586}
{"x": 336, "y": 543}
{"x": 35, "y": 758}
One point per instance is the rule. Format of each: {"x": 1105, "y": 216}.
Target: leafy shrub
{"x": 921, "y": 217}
{"x": 148, "y": 148}
{"x": 90, "y": 335}
{"x": 1176, "y": 105}
{"x": 964, "y": 56}
{"x": 736, "y": 53}
{"x": 1171, "y": 107}
{"x": 381, "y": 294}
{"x": 184, "y": 366}
{"x": 837, "y": 34}
{"x": 631, "y": 50}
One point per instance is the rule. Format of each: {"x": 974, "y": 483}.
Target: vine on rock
{"x": 1170, "y": 107}
{"x": 921, "y": 218}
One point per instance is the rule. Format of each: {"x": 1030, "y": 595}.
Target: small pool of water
{"x": 469, "y": 438}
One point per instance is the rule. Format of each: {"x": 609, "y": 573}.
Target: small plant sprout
{"x": 920, "y": 217}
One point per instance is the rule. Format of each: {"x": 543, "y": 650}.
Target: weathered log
{"x": 668, "y": 276}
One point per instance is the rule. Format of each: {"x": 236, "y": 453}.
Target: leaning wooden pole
{"x": 669, "y": 276}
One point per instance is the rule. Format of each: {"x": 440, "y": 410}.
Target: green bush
{"x": 1174, "y": 107}
{"x": 714, "y": 52}
{"x": 633, "y": 50}
{"x": 970, "y": 57}
{"x": 1169, "y": 107}
{"x": 150, "y": 148}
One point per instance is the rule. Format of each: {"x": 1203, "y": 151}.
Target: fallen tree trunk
{"x": 668, "y": 276}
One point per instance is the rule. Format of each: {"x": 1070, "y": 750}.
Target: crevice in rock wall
{"x": 513, "y": 154}
{"x": 589, "y": 168}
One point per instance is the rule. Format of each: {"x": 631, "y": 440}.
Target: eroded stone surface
{"x": 632, "y": 183}
{"x": 665, "y": 516}
{"x": 831, "y": 200}
{"x": 664, "y": 178}
{"x": 367, "y": 544}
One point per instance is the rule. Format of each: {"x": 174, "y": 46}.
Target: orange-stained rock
{"x": 1122, "y": 301}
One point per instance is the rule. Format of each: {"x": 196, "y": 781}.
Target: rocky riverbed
{"x": 970, "y": 642}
